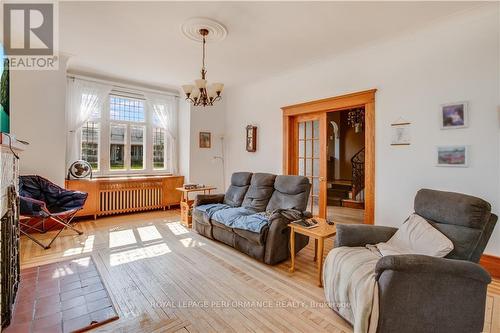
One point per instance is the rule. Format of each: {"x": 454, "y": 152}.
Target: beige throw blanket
{"x": 350, "y": 286}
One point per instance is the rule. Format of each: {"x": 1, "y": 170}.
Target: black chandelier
{"x": 202, "y": 93}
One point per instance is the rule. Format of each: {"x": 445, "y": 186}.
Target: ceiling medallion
{"x": 191, "y": 29}
{"x": 202, "y": 93}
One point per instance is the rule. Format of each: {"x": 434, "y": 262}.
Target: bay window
{"x": 128, "y": 134}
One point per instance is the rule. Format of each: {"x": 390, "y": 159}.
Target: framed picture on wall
{"x": 205, "y": 140}
{"x": 454, "y": 115}
{"x": 452, "y": 156}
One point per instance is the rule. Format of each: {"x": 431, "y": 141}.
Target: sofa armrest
{"x": 205, "y": 199}
{"x": 420, "y": 264}
{"x": 278, "y": 239}
{"x": 428, "y": 294}
{"x": 362, "y": 234}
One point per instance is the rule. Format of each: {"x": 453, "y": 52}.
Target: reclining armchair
{"x": 42, "y": 201}
{"x": 427, "y": 294}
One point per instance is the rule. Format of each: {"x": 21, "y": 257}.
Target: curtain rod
{"x": 122, "y": 85}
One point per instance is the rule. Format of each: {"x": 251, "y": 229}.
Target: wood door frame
{"x": 358, "y": 99}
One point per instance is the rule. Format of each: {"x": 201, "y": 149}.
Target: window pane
{"x": 90, "y": 144}
{"x": 316, "y": 148}
{"x": 316, "y": 129}
{"x": 117, "y": 147}
{"x": 309, "y": 167}
{"x": 309, "y": 130}
{"x": 301, "y": 130}
{"x": 158, "y": 148}
{"x": 137, "y": 148}
{"x": 302, "y": 148}
{"x": 309, "y": 152}
{"x": 126, "y": 109}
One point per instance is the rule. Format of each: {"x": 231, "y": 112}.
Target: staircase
{"x": 350, "y": 193}
{"x": 357, "y": 198}
{"x": 337, "y": 191}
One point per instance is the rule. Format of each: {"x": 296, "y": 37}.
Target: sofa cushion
{"x": 227, "y": 216}
{"x": 240, "y": 181}
{"x": 241, "y": 218}
{"x": 217, "y": 224}
{"x": 253, "y": 237}
{"x": 290, "y": 192}
{"x": 203, "y": 213}
{"x": 260, "y": 191}
{"x": 417, "y": 236}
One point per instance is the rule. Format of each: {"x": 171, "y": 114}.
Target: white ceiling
{"x": 142, "y": 41}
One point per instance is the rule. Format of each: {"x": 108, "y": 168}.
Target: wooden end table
{"x": 187, "y": 205}
{"x": 319, "y": 234}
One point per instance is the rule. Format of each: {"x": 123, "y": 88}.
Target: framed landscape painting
{"x": 452, "y": 156}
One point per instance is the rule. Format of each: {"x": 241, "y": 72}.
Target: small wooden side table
{"x": 319, "y": 234}
{"x": 187, "y": 204}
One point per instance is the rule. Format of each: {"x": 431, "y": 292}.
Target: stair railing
{"x": 358, "y": 175}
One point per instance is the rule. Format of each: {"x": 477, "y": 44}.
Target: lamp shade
{"x": 188, "y": 88}
{"x": 218, "y": 86}
{"x": 201, "y": 83}
{"x": 195, "y": 93}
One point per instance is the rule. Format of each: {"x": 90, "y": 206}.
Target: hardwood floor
{"x": 345, "y": 214}
{"x": 165, "y": 278}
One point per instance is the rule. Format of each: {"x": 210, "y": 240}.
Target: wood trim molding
{"x": 364, "y": 98}
{"x": 491, "y": 264}
{"x": 332, "y": 103}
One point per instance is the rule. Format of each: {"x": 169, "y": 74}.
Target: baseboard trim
{"x": 491, "y": 264}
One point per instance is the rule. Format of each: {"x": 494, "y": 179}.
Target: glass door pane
{"x": 308, "y": 159}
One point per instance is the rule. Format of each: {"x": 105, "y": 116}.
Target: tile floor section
{"x": 68, "y": 296}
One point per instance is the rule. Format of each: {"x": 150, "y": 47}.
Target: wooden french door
{"x": 310, "y": 157}
{"x": 297, "y": 137}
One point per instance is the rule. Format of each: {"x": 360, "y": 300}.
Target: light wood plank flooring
{"x": 345, "y": 214}
{"x": 166, "y": 278}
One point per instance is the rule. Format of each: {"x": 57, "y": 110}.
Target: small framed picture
{"x": 454, "y": 115}
{"x": 452, "y": 156}
{"x": 400, "y": 134}
{"x": 205, "y": 140}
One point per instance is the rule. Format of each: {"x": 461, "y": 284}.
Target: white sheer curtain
{"x": 84, "y": 99}
{"x": 165, "y": 109}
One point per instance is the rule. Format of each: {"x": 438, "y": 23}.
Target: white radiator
{"x": 132, "y": 197}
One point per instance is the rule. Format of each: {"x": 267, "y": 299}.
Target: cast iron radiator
{"x": 10, "y": 265}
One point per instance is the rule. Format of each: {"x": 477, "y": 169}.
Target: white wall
{"x": 203, "y": 169}
{"x": 38, "y": 100}
{"x": 184, "y": 138}
{"x": 454, "y": 60}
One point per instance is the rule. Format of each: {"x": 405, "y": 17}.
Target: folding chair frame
{"x": 47, "y": 215}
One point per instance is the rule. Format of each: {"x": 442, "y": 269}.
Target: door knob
{"x": 321, "y": 179}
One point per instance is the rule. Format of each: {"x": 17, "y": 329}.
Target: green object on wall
{"x": 4, "y": 97}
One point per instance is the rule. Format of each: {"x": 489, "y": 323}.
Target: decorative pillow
{"x": 417, "y": 236}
